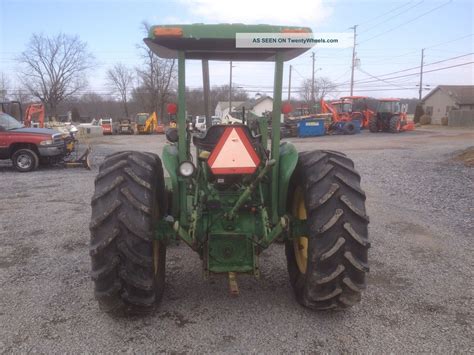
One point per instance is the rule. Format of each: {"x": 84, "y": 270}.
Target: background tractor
{"x": 230, "y": 194}
{"x": 126, "y": 126}
{"x": 390, "y": 117}
{"x": 359, "y": 109}
{"x": 146, "y": 123}
{"x": 340, "y": 116}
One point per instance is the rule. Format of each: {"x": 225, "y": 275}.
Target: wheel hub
{"x": 300, "y": 244}
{"x": 24, "y": 161}
{"x": 156, "y": 256}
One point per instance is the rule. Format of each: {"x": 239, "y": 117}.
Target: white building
{"x": 222, "y": 107}
{"x": 258, "y": 107}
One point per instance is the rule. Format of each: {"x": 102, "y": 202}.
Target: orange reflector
{"x": 233, "y": 154}
{"x": 295, "y": 30}
{"x": 168, "y": 32}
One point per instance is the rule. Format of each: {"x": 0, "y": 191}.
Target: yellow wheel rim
{"x": 300, "y": 244}
{"x": 156, "y": 256}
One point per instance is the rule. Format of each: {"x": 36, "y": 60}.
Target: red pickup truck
{"x": 27, "y": 147}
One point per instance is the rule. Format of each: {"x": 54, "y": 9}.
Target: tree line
{"x": 54, "y": 70}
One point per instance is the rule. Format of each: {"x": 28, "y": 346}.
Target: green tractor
{"x": 231, "y": 193}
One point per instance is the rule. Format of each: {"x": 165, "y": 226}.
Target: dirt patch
{"x": 17, "y": 256}
{"x": 37, "y": 232}
{"x": 462, "y": 319}
{"x": 177, "y": 317}
{"x": 387, "y": 278}
{"x": 74, "y": 244}
{"x": 466, "y": 156}
{"x": 428, "y": 308}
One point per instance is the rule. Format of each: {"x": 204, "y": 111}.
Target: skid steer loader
{"x": 230, "y": 194}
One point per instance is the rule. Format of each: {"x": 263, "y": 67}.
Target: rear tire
{"x": 325, "y": 190}
{"x": 25, "y": 160}
{"x": 373, "y": 125}
{"x": 395, "y": 124}
{"x": 128, "y": 264}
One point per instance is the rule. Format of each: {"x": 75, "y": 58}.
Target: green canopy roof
{"x": 217, "y": 42}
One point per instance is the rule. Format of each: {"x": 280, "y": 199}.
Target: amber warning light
{"x": 168, "y": 32}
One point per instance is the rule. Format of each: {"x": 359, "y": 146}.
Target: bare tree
{"x": 4, "y": 87}
{"x": 157, "y": 79}
{"x": 22, "y": 95}
{"x": 195, "y": 97}
{"x": 54, "y": 68}
{"x": 120, "y": 79}
{"x": 305, "y": 91}
{"x": 322, "y": 87}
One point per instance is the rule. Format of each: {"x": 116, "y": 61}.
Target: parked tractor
{"x": 359, "y": 109}
{"x": 340, "y": 121}
{"x": 390, "y": 117}
{"x": 230, "y": 194}
{"x": 109, "y": 126}
{"x": 34, "y": 116}
{"x": 126, "y": 126}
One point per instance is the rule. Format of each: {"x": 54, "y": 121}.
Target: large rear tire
{"x": 373, "y": 124}
{"x": 395, "y": 124}
{"x": 128, "y": 264}
{"x": 328, "y": 266}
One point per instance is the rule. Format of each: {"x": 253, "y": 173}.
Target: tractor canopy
{"x": 217, "y": 42}
{"x": 389, "y": 106}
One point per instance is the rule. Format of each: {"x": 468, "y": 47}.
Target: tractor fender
{"x": 288, "y": 161}
{"x": 171, "y": 163}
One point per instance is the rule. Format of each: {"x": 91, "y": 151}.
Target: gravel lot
{"x": 420, "y": 288}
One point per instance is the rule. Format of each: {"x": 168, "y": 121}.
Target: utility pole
{"x": 421, "y": 73}
{"x": 289, "y": 84}
{"x": 230, "y": 88}
{"x": 353, "y": 58}
{"x": 312, "y": 82}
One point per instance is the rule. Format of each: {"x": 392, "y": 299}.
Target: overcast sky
{"x": 390, "y": 37}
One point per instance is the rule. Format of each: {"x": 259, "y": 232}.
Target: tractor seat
{"x": 208, "y": 140}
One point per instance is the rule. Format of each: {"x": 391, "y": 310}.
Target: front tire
{"x": 128, "y": 264}
{"x": 349, "y": 128}
{"x": 327, "y": 267}
{"x": 395, "y": 124}
{"x": 25, "y": 160}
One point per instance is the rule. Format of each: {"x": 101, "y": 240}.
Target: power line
{"x": 427, "y": 71}
{"x": 418, "y": 67}
{"x": 451, "y": 41}
{"x": 385, "y": 13}
{"x": 407, "y": 22}
{"x": 396, "y": 15}
{"x": 379, "y": 79}
{"x": 345, "y": 73}
{"x": 297, "y": 72}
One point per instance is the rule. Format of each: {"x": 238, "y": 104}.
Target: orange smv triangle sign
{"x": 233, "y": 154}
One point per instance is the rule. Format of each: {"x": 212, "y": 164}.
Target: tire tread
{"x": 337, "y": 231}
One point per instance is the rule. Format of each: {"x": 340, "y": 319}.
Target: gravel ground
{"x": 420, "y": 288}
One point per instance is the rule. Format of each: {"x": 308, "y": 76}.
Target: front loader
{"x": 230, "y": 194}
